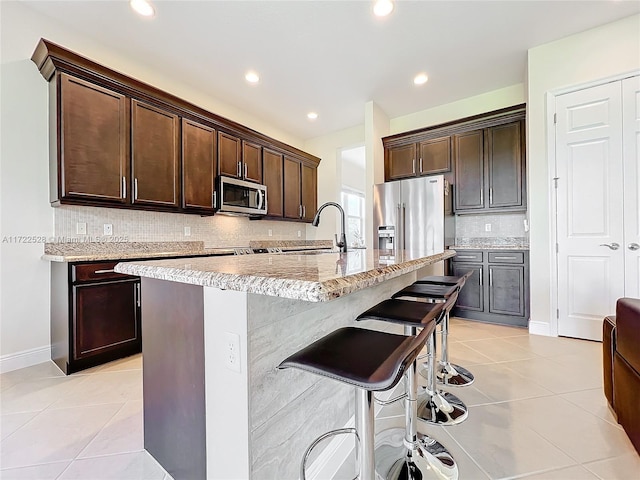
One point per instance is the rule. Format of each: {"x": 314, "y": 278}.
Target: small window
{"x": 353, "y": 204}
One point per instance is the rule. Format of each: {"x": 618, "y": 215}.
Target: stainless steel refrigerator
{"x": 414, "y": 215}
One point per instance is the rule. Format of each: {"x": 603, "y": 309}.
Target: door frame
{"x": 550, "y": 99}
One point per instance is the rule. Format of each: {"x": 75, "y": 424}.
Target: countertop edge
{"x": 306, "y": 290}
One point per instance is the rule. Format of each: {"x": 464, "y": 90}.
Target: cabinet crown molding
{"x": 475, "y": 122}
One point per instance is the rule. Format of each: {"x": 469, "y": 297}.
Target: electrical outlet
{"x": 299, "y": 233}
{"x": 81, "y": 228}
{"x": 108, "y": 229}
{"x": 270, "y": 233}
{"x": 487, "y": 227}
{"x": 232, "y": 351}
{"x": 187, "y": 231}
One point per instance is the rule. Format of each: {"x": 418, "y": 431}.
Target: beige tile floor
{"x": 536, "y": 412}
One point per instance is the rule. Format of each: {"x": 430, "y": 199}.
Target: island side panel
{"x": 227, "y": 402}
{"x": 173, "y": 376}
{"x": 289, "y": 408}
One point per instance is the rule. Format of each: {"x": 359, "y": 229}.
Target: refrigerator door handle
{"x": 404, "y": 227}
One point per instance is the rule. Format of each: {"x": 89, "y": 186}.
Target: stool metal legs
{"x": 448, "y": 373}
{"x": 436, "y": 406}
{"x": 365, "y": 428}
{"x": 409, "y": 455}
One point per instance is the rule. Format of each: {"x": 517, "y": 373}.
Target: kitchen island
{"x": 215, "y": 329}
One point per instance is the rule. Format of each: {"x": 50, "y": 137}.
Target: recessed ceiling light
{"x": 312, "y": 115}
{"x": 143, "y": 7}
{"x": 420, "y": 79}
{"x": 252, "y": 77}
{"x": 382, "y": 8}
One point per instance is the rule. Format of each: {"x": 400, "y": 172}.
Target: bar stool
{"x": 436, "y": 406}
{"x": 447, "y": 372}
{"x": 405, "y": 454}
{"x": 369, "y": 360}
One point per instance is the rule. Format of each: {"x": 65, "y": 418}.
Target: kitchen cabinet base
{"x": 491, "y": 318}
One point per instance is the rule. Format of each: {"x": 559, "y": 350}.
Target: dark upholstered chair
{"x": 621, "y": 362}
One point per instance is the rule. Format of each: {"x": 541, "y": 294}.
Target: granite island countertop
{"x": 318, "y": 277}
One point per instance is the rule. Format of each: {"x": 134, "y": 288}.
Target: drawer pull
{"x": 505, "y": 258}
{"x": 466, "y": 256}
{"x": 105, "y": 271}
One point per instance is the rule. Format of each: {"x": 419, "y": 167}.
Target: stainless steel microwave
{"x": 239, "y": 197}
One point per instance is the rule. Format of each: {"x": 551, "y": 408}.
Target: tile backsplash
{"x": 142, "y": 226}
{"x": 502, "y": 225}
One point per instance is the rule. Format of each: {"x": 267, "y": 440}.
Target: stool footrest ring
{"x": 314, "y": 444}
{"x": 390, "y": 401}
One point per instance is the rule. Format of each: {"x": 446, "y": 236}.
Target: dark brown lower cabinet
{"x": 95, "y": 315}
{"x": 497, "y": 290}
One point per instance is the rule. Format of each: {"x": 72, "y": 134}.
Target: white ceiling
{"x": 334, "y": 56}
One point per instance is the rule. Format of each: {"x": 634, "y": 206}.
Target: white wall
{"x": 328, "y": 149}
{"x": 24, "y": 184}
{"x": 466, "y": 107}
{"x": 599, "y": 53}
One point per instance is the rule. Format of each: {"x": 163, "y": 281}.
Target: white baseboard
{"x": 25, "y": 358}
{"x": 540, "y": 328}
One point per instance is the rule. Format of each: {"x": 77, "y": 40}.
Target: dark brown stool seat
{"x": 423, "y": 290}
{"x": 368, "y": 360}
{"x": 404, "y": 454}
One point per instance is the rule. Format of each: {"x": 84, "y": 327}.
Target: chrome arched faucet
{"x": 342, "y": 244}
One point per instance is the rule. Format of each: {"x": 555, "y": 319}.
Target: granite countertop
{"x": 315, "y": 278}
{"x": 98, "y": 251}
{"x": 491, "y": 243}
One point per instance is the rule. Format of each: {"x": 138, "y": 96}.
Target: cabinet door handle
{"x": 135, "y": 189}
{"x": 245, "y": 170}
{"x": 490, "y": 278}
{"x": 481, "y": 279}
{"x": 138, "y": 299}
{"x": 505, "y": 258}
{"x": 481, "y": 197}
{"x": 300, "y": 211}
{"x": 215, "y": 198}
{"x": 633, "y": 247}
{"x": 124, "y": 187}
{"x": 104, "y": 271}
{"x": 413, "y": 167}
{"x": 304, "y": 211}
{"x": 421, "y": 170}
{"x": 466, "y": 256}
{"x": 239, "y": 170}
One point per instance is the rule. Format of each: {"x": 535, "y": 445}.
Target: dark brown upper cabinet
{"x": 119, "y": 142}
{"x": 434, "y": 156}
{"x": 308, "y": 191}
{"x": 239, "y": 158}
{"x": 155, "y": 155}
{"x": 273, "y": 179}
{"x": 251, "y": 162}
{"x": 198, "y": 166}
{"x": 229, "y": 155}
{"x": 482, "y": 156}
{"x": 292, "y": 190}
{"x": 469, "y": 191}
{"x": 428, "y": 157}
{"x": 91, "y": 159}
{"x": 489, "y": 166}
{"x": 300, "y": 189}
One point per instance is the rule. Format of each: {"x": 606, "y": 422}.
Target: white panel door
{"x": 631, "y": 154}
{"x": 589, "y": 191}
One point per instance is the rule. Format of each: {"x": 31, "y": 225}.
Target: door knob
{"x": 633, "y": 246}
{"x": 612, "y": 246}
